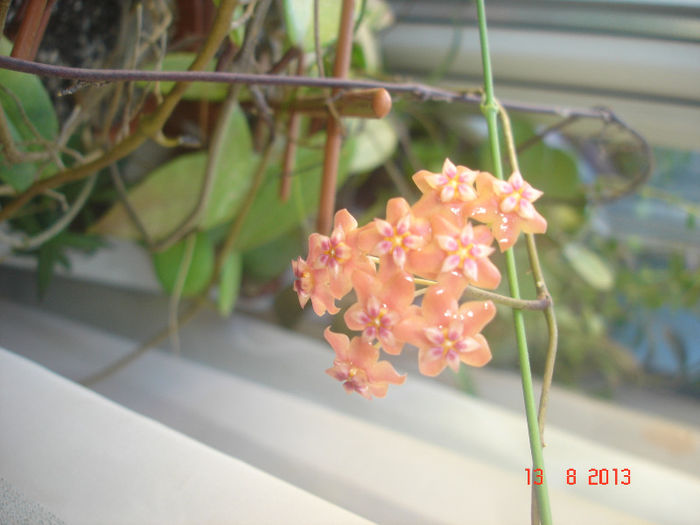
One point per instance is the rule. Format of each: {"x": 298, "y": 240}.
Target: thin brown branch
{"x": 420, "y": 91}
{"x": 29, "y": 30}
{"x": 290, "y": 147}
{"x": 333, "y": 127}
{"x": 151, "y": 125}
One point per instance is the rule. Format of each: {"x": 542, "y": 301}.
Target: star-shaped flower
{"x": 310, "y": 283}
{"x": 393, "y": 238}
{"x": 357, "y": 366}
{"x": 446, "y": 333}
{"x": 506, "y": 207}
{"x": 338, "y": 254}
{"x": 452, "y": 188}
{"x": 383, "y": 300}
{"x": 460, "y": 250}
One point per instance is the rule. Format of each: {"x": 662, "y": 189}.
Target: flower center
{"x": 397, "y": 240}
{"x": 464, "y": 252}
{"x": 304, "y": 282}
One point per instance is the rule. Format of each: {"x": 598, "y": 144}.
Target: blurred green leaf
{"x": 375, "y": 142}
{"x": 590, "y": 267}
{"x": 170, "y": 192}
{"x": 161, "y": 200}
{"x": 566, "y": 218}
{"x": 19, "y": 176}
{"x": 36, "y": 104}
{"x": 269, "y": 217}
{"x": 551, "y": 170}
{"x": 269, "y": 260}
{"x": 167, "y": 265}
{"x": 299, "y": 19}
{"x": 230, "y": 283}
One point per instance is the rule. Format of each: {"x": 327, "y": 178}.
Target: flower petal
{"x": 383, "y": 247}
{"x": 373, "y": 307}
{"x": 471, "y": 270}
{"x": 448, "y": 168}
{"x": 447, "y": 193}
{"x": 434, "y": 335}
{"x": 526, "y": 209}
{"x": 509, "y": 203}
{"x": 339, "y": 343}
{"x": 466, "y": 192}
{"x": 436, "y": 180}
{"x": 453, "y": 361}
{"x": 479, "y": 356}
{"x": 450, "y": 263}
{"x": 531, "y": 193}
{"x": 447, "y": 243}
{"x": 501, "y": 187}
{"x": 384, "y": 228}
{"x": 399, "y": 256}
{"x": 475, "y": 315}
{"x": 403, "y": 225}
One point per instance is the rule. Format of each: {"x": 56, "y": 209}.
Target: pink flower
{"x": 382, "y": 302}
{"x": 338, "y": 254}
{"x": 446, "y": 333}
{"x": 312, "y": 284}
{"x": 356, "y": 365}
{"x": 506, "y": 206}
{"x": 396, "y": 236}
{"x": 458, "y": 249}
{"x": 453, "y": 187}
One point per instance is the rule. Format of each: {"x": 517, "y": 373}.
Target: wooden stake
{"x": 333, "y": 138}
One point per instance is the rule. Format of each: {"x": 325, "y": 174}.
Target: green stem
{"x": 490, "y": 109}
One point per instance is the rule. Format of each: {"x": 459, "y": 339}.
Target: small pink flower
{"x": 446, "y": 333}
{"x": 458, "y": 249}
{"x": 393, "y": 238}
{"x": 453, "y": 187}
{"x": 312, "y": 284}
{"x": 338, "y": 254}
{"x": 382, "y": 302}
{"x": 506, "y": 206}
{"x": 357, "y": 366}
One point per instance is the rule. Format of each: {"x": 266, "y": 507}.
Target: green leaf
{"x": 167, "y": 265}
{"x": 36, "y": 103}
{"x": 551, "y": 170}
{"x": 592, "y": 269}
{"x": 269, "y": 217}
{"x": 161, "y": 201}
{"x": 170, "y": 193}
{"x": 269, "y": 260}
{"x": 234, "y": 170}
{"x": 230, "y": 283}
{"x": 375, "y": 142}
{"x": 19, "y": 176}
{"x": 34, "y": 99}
{"x": 299, "y": 19}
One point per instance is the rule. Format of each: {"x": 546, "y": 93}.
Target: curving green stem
{"x": 490, "y": 110}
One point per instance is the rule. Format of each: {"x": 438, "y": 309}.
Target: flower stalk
{"x": 490, "y": 108}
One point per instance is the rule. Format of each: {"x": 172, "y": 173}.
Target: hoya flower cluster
{"x": 443, "y": 241}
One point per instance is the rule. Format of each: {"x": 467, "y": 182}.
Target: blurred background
{"x": 185, "y": 245}
{"x": 622, "y": 195}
